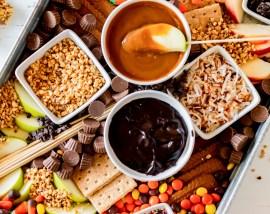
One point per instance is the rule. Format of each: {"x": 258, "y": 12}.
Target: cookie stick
{"x": 94, "y": 11}
{"x": 104, "y": 6}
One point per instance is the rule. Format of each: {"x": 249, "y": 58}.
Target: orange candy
{"x": 138, "y": 202}
{"x": 169, "y": 190}
{"x": 143, "y": 188}
{"x": 195, "y": 199}
{"x": 216, "y": 197}
{"x": 163, "y": 197}
{"x": 152, "y": 184}
{"x": 185, "y": 204}
{"x": 119, "y": 204}
{"x": 153, "y": 200}
{"x": 177, "y": 184}
{"x": 130, "y": 207}
{"x": 123, "y": 209}
{"x": 129, "y": 198}
{"x": 145, "y": 206}
{"x": 207, "y": 199}
{"x": 199, "y": 209}
{"x": 137, "y": 209}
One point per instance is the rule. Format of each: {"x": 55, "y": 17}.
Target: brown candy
{"x": 90, "y": 125}
{"x": 71, "y": 158}
{"x": 246, "y": 120}
{"x": 101, "y": 127}
{"x": 88, "y": 22}
{"x": 68, "y": 18}
{"x": 118, "y": 84}
{"x": 106, "y": 97}
{"x": 86, "y": 161}
{"x": 62, "y": 147}
{"x": 66, "y": 171}
{"x": 239, "y": 141}
{"x": 236, "y": 157}
{"x": 34, "y": 41}
{"x": 89, "y": 40}
{"x": 54, "y": 154}
{"x": 96, "y": 108}
{"x": 73, "y": 145}
{"x": 74, "y": 4}
{"x": 118, "y": 96}
{"x": 227, "y": 135}
{"x": 224, "y": 151}
{"x": 265, "y": 86}
{"x": 259, "y": 114}
{"x": 248, "y": 131}
{"x": 99, "y": 146}
{"x": 51, "y": 163}
{"x": 97, "y": 52}
{"x": 46, "y": 28}
{"x": 84, "y": 137}
{"x": 37, "y": 163}
{"x": 59, "y": 29}
{"x": 44, "y": 35}
{"x": 51, "y": 18}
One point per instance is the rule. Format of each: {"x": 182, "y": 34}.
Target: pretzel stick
{"x": 229, "y": 40}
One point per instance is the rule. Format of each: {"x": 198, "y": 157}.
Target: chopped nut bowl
{"x": 215, "y": 92}
{"x": 63, "y": 77}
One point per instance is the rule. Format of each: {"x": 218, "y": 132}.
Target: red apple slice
{"x": 235, "y": 10}
{"x": 261, "y": 49}
{"x": 250, "y": 30}
{"x": 256, "y": 70}
{"x": 258, "y": 42}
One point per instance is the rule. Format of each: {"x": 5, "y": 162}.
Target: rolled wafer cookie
{"x": 104, "y": 6}
{"x": 88, "y": 6}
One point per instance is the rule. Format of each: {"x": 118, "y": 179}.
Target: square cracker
{"x": 112, "y": 192}
{"x": 97, "y": 176}
{"x": 191, "y": 6}
{"x": 201, "y": 17}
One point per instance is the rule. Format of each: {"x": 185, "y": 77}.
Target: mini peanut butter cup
{"x": 86, "y": 161}
{"x": 71, "y": 158}
{"x": 118, "y": 96}
{"x": 265, "y": 86}
{"x": 90, "y": 125}
{"x": 51, "y": 163}
{"x": 88, "y": 22}
{"x": 73, "y": 145}
{"x": 54, "y": 154}
{"x": 59, "y": 29}
{"x": 51, "y": 18}
{"x": 106, "y": 97}
{"x": 97, "y": 53}
{"x": 37, "y": 163}
{"x": 46, "y": 28}
{"x": 248, "y": 131}
{"x": 101, "y": 127}
{"x": 68, "y": 18}
{"x": 46, "y": 36}
{"x": 259, "y": 114}
{"x": 99, "y": 146}
{"x": 239, "y": 141}
{"x": 236, "y": 157}
{"x": 118, "y": 84}
{"x": 89, "y": 149}
{"x": 226, "y": 135}
{"x": 96, "y": 108}
{"x": 89, "y": 40}
{"x": 224, "y": 151}
{"x": 34, "y": 41}
{"x": 65, "y": 172}
{"x": 84, "y": 137}
{"x": 62, "y": 147}
{"x": 246, "y": 120}
{"x": 74, "y": 4}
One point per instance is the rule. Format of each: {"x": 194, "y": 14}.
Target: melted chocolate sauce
{"x": 148, "y": 135}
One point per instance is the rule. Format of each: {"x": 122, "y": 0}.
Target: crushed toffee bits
{"x": 64, "y": 78}
{"x": 10, "y": 105}
{"x": 5, "y": 12}
{"x": 213, "y": 92}
{"x": 43, "y": 185}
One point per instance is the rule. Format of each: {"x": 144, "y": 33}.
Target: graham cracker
{"x": 190, "y": 6}
{"x": 201, "y": 17}
{"x": 97, "y": 176}
{"x": 112, "y": 192}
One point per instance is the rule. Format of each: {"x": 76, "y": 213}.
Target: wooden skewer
{"x": 229, "y": 40}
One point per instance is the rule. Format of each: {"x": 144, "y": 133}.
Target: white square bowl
{"x": 40, "y": 53}
{"x": 252, "y": 13}
{"x": 256, "y": 97}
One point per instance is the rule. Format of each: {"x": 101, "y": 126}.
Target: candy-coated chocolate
{"x": 201, "y": 191}
{"x": 186, "y": 204}
{"x": 210, "y": 209}
{"x": 135, "y": 194}
{"x": 207, "y": 199}
{"x": 195, "y": 199}
{"x": 163, "y": 188}
{"x": 177, "y": 184}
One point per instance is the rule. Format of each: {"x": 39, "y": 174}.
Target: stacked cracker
{"x": 102, "y": 183}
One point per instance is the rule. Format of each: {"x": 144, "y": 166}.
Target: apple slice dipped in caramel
{"x": 161, "y": 38}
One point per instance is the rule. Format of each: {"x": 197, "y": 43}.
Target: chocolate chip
{"x": 219, "y": 190}
{"x": 225, "y": 184}
{"x": 14, "y": 194}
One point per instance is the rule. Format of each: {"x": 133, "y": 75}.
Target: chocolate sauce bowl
{"x": 149, "y": 135}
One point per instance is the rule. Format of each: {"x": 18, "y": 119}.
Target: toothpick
{"x": 230, "y": 40}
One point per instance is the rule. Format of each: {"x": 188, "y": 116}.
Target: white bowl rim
{"x": 256, "y": 97}
{"x": 175, "y": 70}
{"x": 155, "y": 207}
{"x": 187, "y": 150}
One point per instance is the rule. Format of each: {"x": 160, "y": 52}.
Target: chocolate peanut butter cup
{"x": 51, "y": 18}
{"x": 236, "y": 157}
{"x": 68, "y": 18}
{"x": 46, "y": 28}
{"x": 226, "y": 135}
{"x": 73, "y": 145}
{"x": 62, "y": 147}
{"x": 90, "y": 125}
{"x": 99, "y": 146}
{"x": 224, "y": 151}
{"x": 65, "y": 172}
{"x": 59, "y": 29}
{"x": 84, "y": 137}
{"x": 55, "y": 154}
{"x": 51, "y": 163}
{"x": 106, "y": 97}
{"x": 88, "y": 22}
{"x": 248, "y": 131}
{"x": 118, "y": 84}
{"x": 259, "y": 114}
{"x": 71, "y": 158}
{"x": 101, "y": 128}
{"x": 265, "y": 86}
{"x": 97, "y": 53}
{"x": 96, "y": 108}
{"x": 118, "y": 96}
{"x": 34, "y": 41}
{"x": 74, "y": 4}
{"x": 89, "y": 40}
{"x": 246, "y": 120}
{"x": 239, "y": 141}
{"x": 86, "y": 161}
{"x": 37, "y": 163}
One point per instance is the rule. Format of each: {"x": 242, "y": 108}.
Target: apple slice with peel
{"x": 11, "y": 145}
{"x": 15, "y": 132}
{"x": 27, "y": 124}
{"x": 27, "y": 102}
{"x": 155, "y": 38}
{"x": 24, "y": 192}
{"x": 261, "y": 49}
{"x": 83, "y": 208}
{"x": 12, "y": 181}
{"x": 234, "y": 7}
{"x": 256, "y": 70}
{"x": 70, "y": 186}
{"x": 248, "y": 30}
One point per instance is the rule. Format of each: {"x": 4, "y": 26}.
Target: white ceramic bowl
{"x": 40, "y": 53}
{"x": 252, "y": 13}
{"x": 253, "y": 104}
{"x": 186, "y": 152}
{"x": 161, "y": 206}
{"x": 119, "y": 9}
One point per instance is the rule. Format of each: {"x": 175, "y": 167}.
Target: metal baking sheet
{"x": 12, "y": 36}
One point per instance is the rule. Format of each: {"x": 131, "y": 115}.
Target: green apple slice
{"x": 84, "y": 208}
{"x": 24, "y": 192}
{"x": 27, "y": 102}
{"x": 70, "y": 186}
{"x": 12, "y": 181}
{"x": 11, "y": 145}
{"x": 18, "y": 133}
{"x": 27, "y": 124}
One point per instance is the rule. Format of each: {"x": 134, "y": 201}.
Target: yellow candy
{"x": 40, "y": 209}
{"x": 201, "y": 191}
{"x": 230, "y": 166}
{"x": 135, "y": 194}
{"x": 183, "y": 212}
{"x": 210, "y": 209}
{"x": 163, "y": 188}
